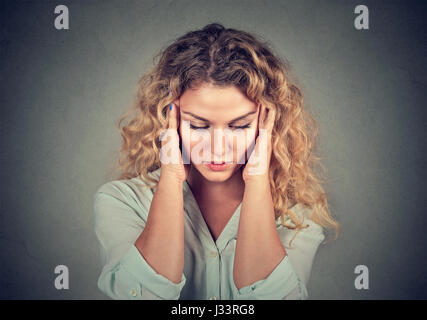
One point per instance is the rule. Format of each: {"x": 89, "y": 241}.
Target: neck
{"x": 215, "y": 191}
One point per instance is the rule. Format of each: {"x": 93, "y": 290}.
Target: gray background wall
{"x": 63, "y": 91}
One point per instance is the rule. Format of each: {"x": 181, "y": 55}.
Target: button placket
{"x": 213, "y": 254}
{"x": 213, "y": 259}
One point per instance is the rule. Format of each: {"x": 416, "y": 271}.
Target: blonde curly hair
{"x": 226, "y": 57}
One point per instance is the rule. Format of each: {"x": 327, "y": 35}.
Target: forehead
{"x": 207, "y": 101}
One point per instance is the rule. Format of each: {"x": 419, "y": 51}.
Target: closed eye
{"x": 232, "y": 127}
{"x": 242, "y": 127}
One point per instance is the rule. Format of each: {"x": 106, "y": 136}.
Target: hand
{"x": 175, "y": 169}
{"x": 257, "y": 167}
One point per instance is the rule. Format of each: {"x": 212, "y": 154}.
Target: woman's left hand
{"x": 257, "y": 167}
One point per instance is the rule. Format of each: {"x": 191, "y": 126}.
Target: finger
{"x": 172, "y": 116}
{"x": 260, "y": 117}
{"x": 265, "y": 114}
{"x": 271, "y": 116}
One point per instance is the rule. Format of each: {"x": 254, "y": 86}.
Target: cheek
{"x": 248, "y": 137}
{"x": 185, "y": 134}
{"x": 251, "y": 137}
{"x": 242, "y": 143}
{"x": 186, "y": 143}
{"x": 196, "y": 145}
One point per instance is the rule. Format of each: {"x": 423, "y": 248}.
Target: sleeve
{"x": 288, "y": 280}
{"x": 125, "y": 273}
{"x": 281, "y": 282}
{"x": 302, "y": 253}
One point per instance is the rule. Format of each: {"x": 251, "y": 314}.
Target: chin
{"x": 217, "y": 176}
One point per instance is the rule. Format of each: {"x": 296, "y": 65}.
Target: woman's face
{"x": 217, "y": 125}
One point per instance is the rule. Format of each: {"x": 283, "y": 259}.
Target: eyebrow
{"x": 206, "y": 120}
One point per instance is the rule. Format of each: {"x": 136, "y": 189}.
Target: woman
{"x": 222, "y": 225}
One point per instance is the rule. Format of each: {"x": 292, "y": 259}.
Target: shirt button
{"x": 133, "y": 293}
{"x": 213, "y": 298}
{"x": 213, "y": 254}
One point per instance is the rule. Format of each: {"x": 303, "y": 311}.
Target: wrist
{"x": 257, "y": 180}
{"x": 170, "y": 179}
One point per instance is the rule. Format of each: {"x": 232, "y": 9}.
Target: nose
{"x": 221, "y": 151}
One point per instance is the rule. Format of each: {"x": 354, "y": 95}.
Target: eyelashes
{"x": 234, "y": 127}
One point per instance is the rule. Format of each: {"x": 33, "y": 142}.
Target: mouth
{"x": 217, "y": 162}
{"x": 220, "y": 166}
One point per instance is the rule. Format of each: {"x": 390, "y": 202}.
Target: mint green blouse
{"x": 121, "y": 209}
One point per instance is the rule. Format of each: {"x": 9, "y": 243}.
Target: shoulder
{"x": 126, "y": 186}
{"x": 130, "y": 192}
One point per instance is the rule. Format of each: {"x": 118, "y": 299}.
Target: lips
{"x": 213, "y": 162}
{"x": 217, "y": 166}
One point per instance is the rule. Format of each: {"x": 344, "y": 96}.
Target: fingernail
{"x": 170, "y": 107}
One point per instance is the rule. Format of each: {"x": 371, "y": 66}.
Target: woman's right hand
{"x": 175, "y": 170}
